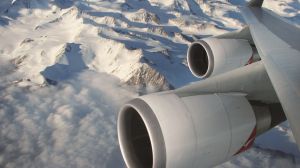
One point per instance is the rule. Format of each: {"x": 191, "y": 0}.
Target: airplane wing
{"x": 278, "y": 44}
{"x": 241, "y": 95}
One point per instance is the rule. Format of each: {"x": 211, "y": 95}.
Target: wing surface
{"x": 278, "y": 43}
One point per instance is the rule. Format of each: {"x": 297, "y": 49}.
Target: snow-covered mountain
{"x": 67, "y": 65}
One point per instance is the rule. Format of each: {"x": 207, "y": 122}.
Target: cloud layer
{"x": 70, "y": 125}
{"x": 73, "y": 124}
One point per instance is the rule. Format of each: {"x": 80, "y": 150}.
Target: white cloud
{"x": 70, "y": 125}
{"x": 73, "y": 124}
{"x": 258, "y": 157}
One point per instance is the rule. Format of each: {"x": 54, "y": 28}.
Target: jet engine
{"x": 165, "y": 130}
{"x": 212, "y": 56}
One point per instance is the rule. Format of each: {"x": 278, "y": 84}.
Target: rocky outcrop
{"x": 145, "y": 16}
{"x": 147, "y": 76}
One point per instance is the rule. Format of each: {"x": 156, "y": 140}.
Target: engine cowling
{"x": 165, "y": 130}
{"x": 212, "y": 56}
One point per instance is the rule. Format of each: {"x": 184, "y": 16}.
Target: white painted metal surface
{"x": 203, "y": 130}
{"x": 278, "y": 42}
{"x": 207, "y": 122}
{"x": 223, "y": 55}
{"x": 251, "y": 80}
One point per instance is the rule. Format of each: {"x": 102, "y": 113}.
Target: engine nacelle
{"x": 165, "y": 130}
{"x": 212, "y": 56}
